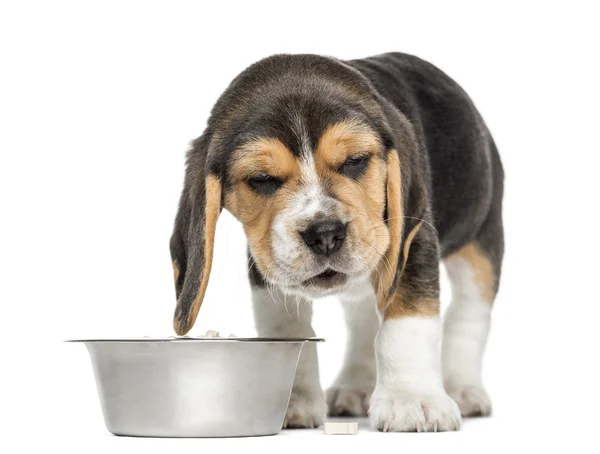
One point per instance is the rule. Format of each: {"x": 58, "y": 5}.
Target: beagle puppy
{"x": 355, "y": 178}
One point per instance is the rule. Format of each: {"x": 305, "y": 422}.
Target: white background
{"x": 98, "y": 102}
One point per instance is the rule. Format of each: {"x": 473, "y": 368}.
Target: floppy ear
{"x": 193, "y": 236}
{"x": 406, "y": 203}
{"x": 405, "y": 210}
{"x": 387, "y": 268}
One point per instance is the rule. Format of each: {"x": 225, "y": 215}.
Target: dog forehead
{"x": 299, "y": 128}
{"x": 305, "y": 139}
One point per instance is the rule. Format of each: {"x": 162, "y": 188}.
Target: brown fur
{"x": 481, "y": 266}
{"x": 264, "y": 155}
{"x": 363, "y": 199}
{"x": 289, "y": 100}
{"x": 404, "y": 302}
{"x": 213, "y": 208}
{"x": 386, "y": 270}
{"x": 402, "y": 305}
{"x": 409, "y": 239}
{"x": 343, "y": 140}
{"x": 175, "y": 271}
{"x": 255, "y": 212}
{"x": 359, "y": 197}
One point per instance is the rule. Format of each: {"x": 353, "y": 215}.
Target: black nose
{"x": 325, "y": 238}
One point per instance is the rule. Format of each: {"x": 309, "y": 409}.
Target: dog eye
{"x": 264, "y": 184}
{"x": 355, "y": 166}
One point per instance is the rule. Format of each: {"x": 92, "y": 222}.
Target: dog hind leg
{"x": 474, "y": 272}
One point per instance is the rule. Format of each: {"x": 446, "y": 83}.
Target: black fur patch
{"x": 451, "y": 172}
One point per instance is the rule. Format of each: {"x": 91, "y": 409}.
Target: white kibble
{"x": 212, "y": 333}
{"x": 341, "y": 428}
{"x": 232, "y": 335}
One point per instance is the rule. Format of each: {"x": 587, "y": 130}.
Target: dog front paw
{"x": 410, "y": 412}
{"x": 305, "y": 410}
{"x": 472, "y": 400}
{"x": 348, "y": 401}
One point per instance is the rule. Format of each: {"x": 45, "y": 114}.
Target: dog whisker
{"x": 383, "y": 258}
{"x": 382, "y": 223}
{"x": 426, "y": 222}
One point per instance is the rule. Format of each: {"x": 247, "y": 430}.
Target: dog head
{"x": 306, "y": 155}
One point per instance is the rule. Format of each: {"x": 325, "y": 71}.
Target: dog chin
{"x": 311, "y": 292}
{"x": 323, "y": 284}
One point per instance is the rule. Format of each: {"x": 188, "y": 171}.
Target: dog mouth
{"x": 327, "y": 279}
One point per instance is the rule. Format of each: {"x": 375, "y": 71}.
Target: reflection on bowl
{"x": 194, "y": 387}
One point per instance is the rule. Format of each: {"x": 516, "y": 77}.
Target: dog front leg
{"x": 279, "y": 315}
{"x": 352, "y": 389}
{"x": 409, "y": 394}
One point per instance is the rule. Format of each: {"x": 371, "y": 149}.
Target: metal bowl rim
{"x": 145, "y": 340}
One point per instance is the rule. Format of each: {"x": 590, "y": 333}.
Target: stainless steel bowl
{"x": 194, "y": 387}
